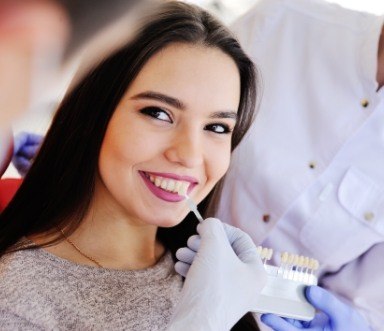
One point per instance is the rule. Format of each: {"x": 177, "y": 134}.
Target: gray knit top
{"x": 39, "y": 291}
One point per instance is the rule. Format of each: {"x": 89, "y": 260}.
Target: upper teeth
{"x": 171, "y": 185}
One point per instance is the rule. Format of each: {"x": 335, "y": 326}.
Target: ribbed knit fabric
{"x": 39, "y": 291}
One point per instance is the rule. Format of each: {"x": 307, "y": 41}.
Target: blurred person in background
{"x": 37, "y": 39}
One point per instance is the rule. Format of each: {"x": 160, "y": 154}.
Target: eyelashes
{"x": 157, "y": 113}
{"x": 218, "y": 128}
{"x": 160, "y": 114}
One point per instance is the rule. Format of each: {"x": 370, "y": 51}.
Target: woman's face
{"x": 173, "y": 125}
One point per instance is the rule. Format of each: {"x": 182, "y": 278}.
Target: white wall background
{"x": 371, "y": 6}
{"x": 230, "y": 9}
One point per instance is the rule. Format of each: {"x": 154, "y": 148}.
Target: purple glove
{"x": 334, "y": 315}
{"x": 25, "y": 149}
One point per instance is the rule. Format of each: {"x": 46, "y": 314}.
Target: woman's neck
{"x": 116, "y": 243}
{"x": 108, "y": 236}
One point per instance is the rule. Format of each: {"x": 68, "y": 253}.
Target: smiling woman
{"x": 174, "y": 123}
{"x": 88, "y": 240}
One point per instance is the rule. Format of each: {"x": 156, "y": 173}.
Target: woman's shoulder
{"x": 21, "y": 282}
{"x": 35, "y": 270}
{"x": 27, "y": 290}
{"x": 16, "y": 268}
{"x": 41, "y": 289}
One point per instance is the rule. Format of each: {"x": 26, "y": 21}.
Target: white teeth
{"x": 183, "y": 189}
{"x": 157, "y": 181}
{"x": 177, "y": 186}
{"x": 170, "y": 185}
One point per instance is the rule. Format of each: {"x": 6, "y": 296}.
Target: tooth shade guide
{"x": 283, "y": 294}
{"x": 292, "y": 266}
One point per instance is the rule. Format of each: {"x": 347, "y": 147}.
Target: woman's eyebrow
{"x": 224, "y": 114}
{"x": 160, "y": 97}
{"x": 151, "y": 95}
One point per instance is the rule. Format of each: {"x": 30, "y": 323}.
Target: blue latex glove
{"x": 26, "y": 146}
{"x": 224, "y": 276}
{"x": 334, "y": 315}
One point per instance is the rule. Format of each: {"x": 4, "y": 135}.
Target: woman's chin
{"x": 169, "y": 223}
{"x": 164, "y": 218}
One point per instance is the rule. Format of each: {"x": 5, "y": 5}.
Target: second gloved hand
{"x": 334, "y": 315}
{"x": 26, "y": 146}
{"x": 224, "y": 277}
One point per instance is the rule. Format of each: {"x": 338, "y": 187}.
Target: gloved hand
{"x": 25, "y": 148}
{"x": 224, "y": 277}
{"x": 334, "y": 315}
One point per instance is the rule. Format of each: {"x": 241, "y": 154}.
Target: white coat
{"x": 309, "y": 176}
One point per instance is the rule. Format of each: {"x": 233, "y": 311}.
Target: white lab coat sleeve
{"x": 361, "y": 282}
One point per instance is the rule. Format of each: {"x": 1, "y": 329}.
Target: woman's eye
{"x": 218, "y": 128}
{"x": 156, "y": 113}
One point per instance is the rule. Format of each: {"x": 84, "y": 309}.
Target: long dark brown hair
{"x": 57, "y": 191}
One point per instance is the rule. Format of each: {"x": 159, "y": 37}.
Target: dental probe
{"x": 182, "y": 191}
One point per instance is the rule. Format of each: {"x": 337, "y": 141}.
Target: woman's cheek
{"x": 219, "y": 163}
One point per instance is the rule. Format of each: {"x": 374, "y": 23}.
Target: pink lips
{"x": 165, "y": 195}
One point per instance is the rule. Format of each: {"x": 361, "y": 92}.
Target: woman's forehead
{"x": 189, "y": 73}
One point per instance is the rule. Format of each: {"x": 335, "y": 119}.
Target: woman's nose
{"x": 186, "y": 149}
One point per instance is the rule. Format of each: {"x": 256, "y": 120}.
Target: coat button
{"x": 266, "y": 218}
{"x": 312, "y": 165}
{"x": 364, "y": 103}
{"x": 369, "y": 216}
